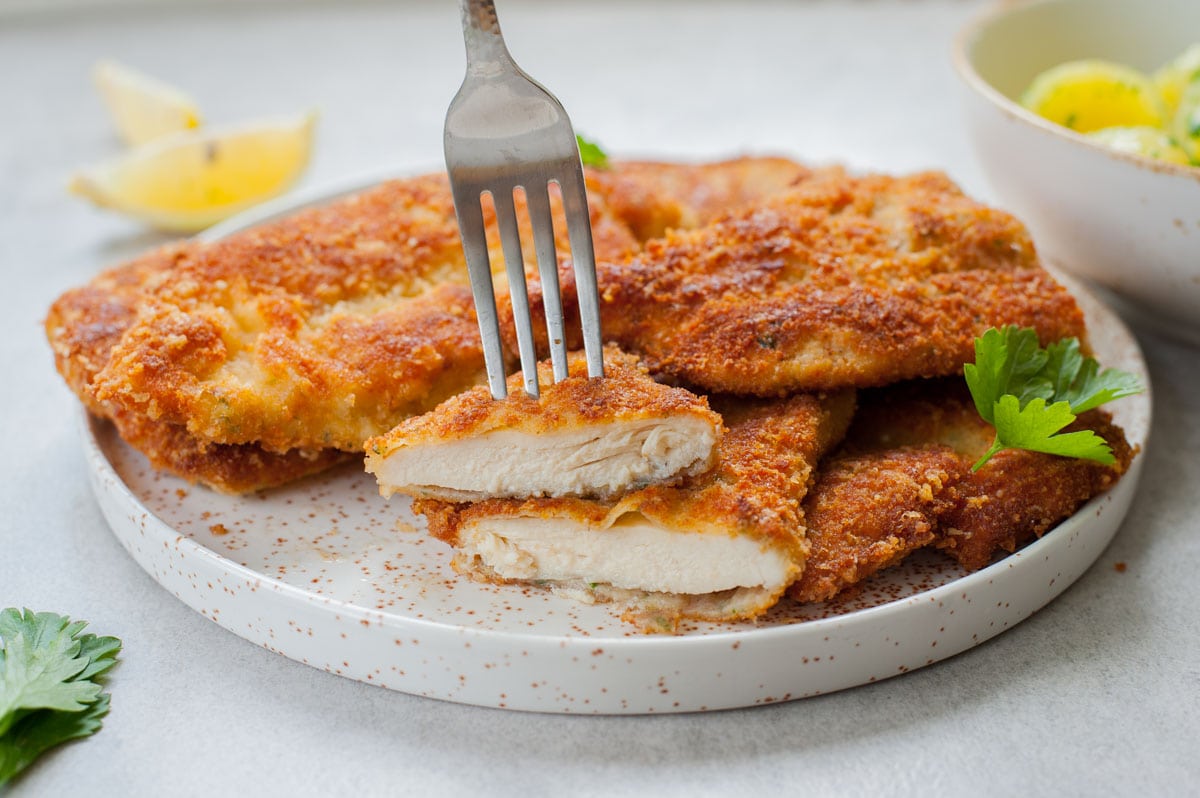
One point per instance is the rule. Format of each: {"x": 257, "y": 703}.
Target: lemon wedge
{"x": 1093, "y": 94}
{"x": 1173, "y": 78}
{"x": 143, "y": 108}
{"x": 1149, "y": 142}
{"x": 191, "y": 180}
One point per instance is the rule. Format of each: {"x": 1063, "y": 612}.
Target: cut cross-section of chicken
{"x": 582, "y": 437}
{"x": 721, "y": 545}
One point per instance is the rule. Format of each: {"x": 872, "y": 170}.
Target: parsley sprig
{"x": 49, "y": 692}
{"x": 1029, "y": 394}
{"x": 591, "y": 154}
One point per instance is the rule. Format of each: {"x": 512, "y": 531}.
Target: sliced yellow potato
{"x": 1173, "y": 78}
{"x": 188, "y": 181}
{"x": 1186, "y": 124}
{"x": 143, "y": 108}
{"x": 1093, "y": 94}
{"x": 1149, "y": 142}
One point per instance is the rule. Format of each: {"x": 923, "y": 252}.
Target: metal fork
{"x": 503, "y": 132}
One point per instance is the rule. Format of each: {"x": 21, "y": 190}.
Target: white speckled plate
{"x": 321, "y": 572}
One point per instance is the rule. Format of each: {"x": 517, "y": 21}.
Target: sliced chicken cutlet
{"x": 583, "y": 437}
{"x": 721, "y": 545}
{"x": 903, "y": 481}
{"x": 840, "y": 281}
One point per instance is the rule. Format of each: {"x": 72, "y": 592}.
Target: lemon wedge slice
{"x": 143, "y": 108}
{"x": 191, "y": 180}
{"x": 1093, "y": 94}
{"x": 1149, "y": 142}
{"x": 1173, "y": 78}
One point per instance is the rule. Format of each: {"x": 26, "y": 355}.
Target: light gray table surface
{"x": 1097, "y": 694}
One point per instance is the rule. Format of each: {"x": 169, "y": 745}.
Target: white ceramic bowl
{"x": 1131, "y": 224}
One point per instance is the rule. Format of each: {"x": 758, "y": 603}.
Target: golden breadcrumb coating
{"x": 625, "y": 393}
{"x": 653, "y": 198}
{"x": 841, "y": 281}
{"x": 225, "y": 467}
{"x": 312, "y": 332}
{"x": 903, "y": 481}
{"x": 867, "y": 512}
{"x": 765, "y": 464}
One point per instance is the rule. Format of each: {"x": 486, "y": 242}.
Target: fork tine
{"x": 479, "y": 268}
{"x": 538, "y": 200}
{"x": 514, "y": 263}
{"x": 579, "y": 231}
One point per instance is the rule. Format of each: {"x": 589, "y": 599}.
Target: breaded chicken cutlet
{"x": 589, "y": 438}
{"x": 721, "y": 545}
{"x": 250, "y": 361}
{"x": 903, "y": 481}
{"x": 840, "y": 281}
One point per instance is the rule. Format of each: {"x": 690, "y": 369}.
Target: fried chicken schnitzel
{"x": 653, "y": 198}
{"x": 1016, "y": 496}
{"x": 261, "y": 354}
{"x": 839, "y": 281}
{"x": 721, "y": 545}
{"x": 869, "y": 511}
{"x": 903, "y": 481}
{"x": 582, "y": 437}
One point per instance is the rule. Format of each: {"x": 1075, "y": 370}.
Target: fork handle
{"x": 481, "y": 32}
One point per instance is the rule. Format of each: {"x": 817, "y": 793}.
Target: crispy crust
{"x": 315, "y": 331}
{"x": 84, "y": 324}
{"x": 1019, "y": 495}
{"x": 625, "y": 394}
{"x": 246, "y": 362}
{"x": 653, "y": 198}
{"x": 903, "y": 480}
{"x": 765, "y": 465}
{"x": 225, "y": 467}
{"x": 310, "y": 333}
{"x": 840, "y": 281}
{"x": 867, "y": 512}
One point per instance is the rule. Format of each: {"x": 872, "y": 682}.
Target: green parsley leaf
{"x": 48, "y": 688}
{"x": 1008, "y": 362}
{"x": 41, "y": 659}
{"x": 1079, "y": 381}
{"x": 1035, "y": 428}
{"x": 1029, "y": 393}
{"x": 32, "y": 736}
{"x": 591, "y": 154}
